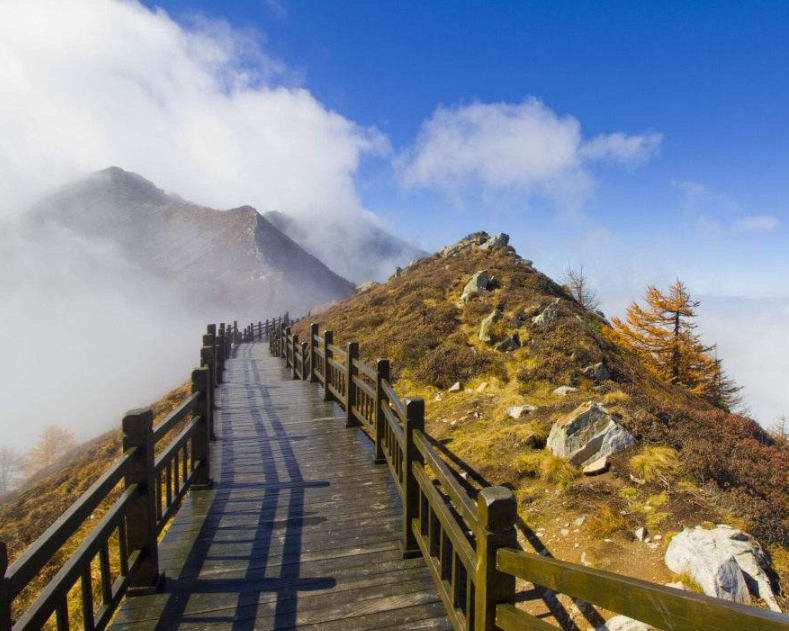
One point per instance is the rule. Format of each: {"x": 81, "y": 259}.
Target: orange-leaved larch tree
{"x": 663, "y": 334}
{"x": 54, "y": 443}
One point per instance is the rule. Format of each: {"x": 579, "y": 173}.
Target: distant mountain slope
{"x": 235, "y": 259}
{"x": 360, "y": 251}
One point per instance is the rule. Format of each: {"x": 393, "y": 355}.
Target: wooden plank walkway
{"x": 301, "y": 529}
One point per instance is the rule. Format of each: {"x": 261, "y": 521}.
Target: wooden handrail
{"x": 470, "y": 546}
{"x": 137, "y": 515}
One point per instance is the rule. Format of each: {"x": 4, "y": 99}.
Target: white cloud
{"x": 85, "y": 84}
{"x": 525, "y": 149}
{"x": 756, "y": 223}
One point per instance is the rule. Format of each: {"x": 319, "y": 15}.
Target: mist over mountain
{"x": 233, "y": 262}
{"x": 360, "y": 250}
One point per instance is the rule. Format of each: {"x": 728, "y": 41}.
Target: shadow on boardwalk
{"x": 300, "y": 529}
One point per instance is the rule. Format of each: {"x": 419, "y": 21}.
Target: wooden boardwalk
{"x": 300, "y": 530}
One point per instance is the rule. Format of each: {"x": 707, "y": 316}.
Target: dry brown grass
{"x": 606, "y": 522}
{"x": 655, "y": 464}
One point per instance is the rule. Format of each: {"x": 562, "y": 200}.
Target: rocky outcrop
{"x": 499, "y": 240}
{"x": 597, "y": 371}
{"x": 550, "y": 313}
{"x": 487, "y": 323}
{"x": 597, "y": 467}
{"x": 727, "y": 563}
{"x": 587, "y": 434}
{"x": 476, "y": 239}
{"x": 563, "y": 391}
{"x": 481, "y": 281}
{"x": 517, "y": 411}
{"x": 509, "y": 343}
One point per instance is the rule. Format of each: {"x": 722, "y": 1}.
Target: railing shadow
{"x": 473, "y": 481}
{"x": 282, "y": 484}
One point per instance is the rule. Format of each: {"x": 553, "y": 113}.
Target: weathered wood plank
{"x": 301, "y": 529}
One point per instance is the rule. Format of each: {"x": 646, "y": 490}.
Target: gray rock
{"x": 597, "y": 467}
{"x": 509, "y": 343}
{"x": 727, "y": 563}
{"x": 597, "y": 371}
{"x": 623, "y": 623}
{"x": 366, "y": 286}
{"x": 484, "y": 328}
{"x": 563, "y": 391}
{"x": 398, "y": 272}
{"x": 517, "y": 411}
{"x": 455, "y": 387}
{"x": 641, "y": 534}
{"x": 580, "y": 521}
{"x": 499, "y": 240}
{"x": 478, "y": 283}
{"x": 551, "y": 312}
{"x": 588, "y": 433}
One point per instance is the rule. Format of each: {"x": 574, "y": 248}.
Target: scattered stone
{"x": 438, "y": 396}
{"x": 482, "y": 387}
{"x": 587, "y": 434}
{"x": 597, "y": 371}
{"x": 598, "y": 467}
{"x": 564, "y": 532}
{"x": 653, "y": 546}
{"x": 608, "y": 540}
{"x": 551, "y": 312}
{"x": 584, "y": 560}
{"x": 727, "y": 563}
{"x": 576, "y": 545}
{"x": 479, "y": 282}
{"x": 641, "y": 534}
{"x": 455, "y": 387}
{"x": 638, "y": 481}
{"x": 657, "y": 537}
{"x": 366, "y": 286}
{"x": 484, "y": 327}
{"x": 509, "y": 343}
{"x": 580, "y": 521}
{"x": 623, "y": 623}
{"x": 500, "y": 239}
{"x": 517, "y": 411}
{"x": 647, "y": 540}
{"x": 563, "y": 391}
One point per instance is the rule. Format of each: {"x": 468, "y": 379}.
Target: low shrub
{"x": 557, "y": 470}
{"x": 655, "y": 463}
{"x": 606, "y": 522}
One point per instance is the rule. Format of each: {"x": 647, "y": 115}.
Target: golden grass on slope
{"x": 30, "y": 511}
{"x": 655, "y": 464}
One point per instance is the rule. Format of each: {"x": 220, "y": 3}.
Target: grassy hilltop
{"x": 692, "y": 463}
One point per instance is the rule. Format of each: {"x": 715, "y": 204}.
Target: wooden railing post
{"x": 304, "y": 360}
{"x": 414, "y": 421}
{"x": 6, "y": 620}
{"x": 328, "y": 339}
{"x": 295, "y": 344}
{"x": 235, "y": 332}
{"x": 382, "y": 374}
{"x": 351, "y": 370}
{"x": 208, "y": 342}
{"x": 141, "y": 514}
{"x": 313, "y": 333}
{"x": 497, "y": 511}
{"x": 206, "y": 361}
{"x": 287, "y": 346}
{"x": 201, "y": 448}
{"x": 220, "y": 354}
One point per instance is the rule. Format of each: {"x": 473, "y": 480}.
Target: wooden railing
{"x": 470, "y": 543}
{"x": 156, "y": 470}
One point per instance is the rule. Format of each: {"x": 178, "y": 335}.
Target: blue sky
{"x": 711, "y": 77}
{"x": 646, "y": 140}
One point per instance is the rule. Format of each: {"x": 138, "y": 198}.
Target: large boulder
{"x": 509, "y": 343}
{"x": 727, "y": 563}
{"x": 366, "y": 286}
{"x": 489, "y": 321}
{"x": 470, "y": 241}
{"x": 500, "y": 239}
{"x": 623, "y": 623}
{"x": 597, "y": 371}
{"x": 480, "y": 282}
{"x": 587, "y": 434}
{"x": 551, "y": 312}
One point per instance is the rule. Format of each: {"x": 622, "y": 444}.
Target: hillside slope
{"x": 235, "y": 258}
{"x": 729, "y": 469}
